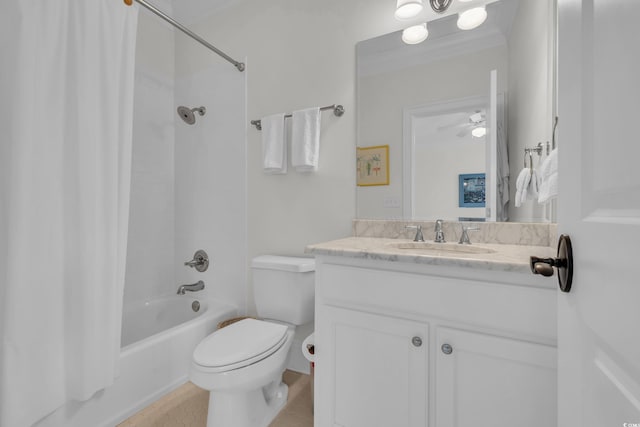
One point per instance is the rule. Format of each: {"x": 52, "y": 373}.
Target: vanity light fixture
{"x": 407, "y": 9}
{"x": 472, "y": 18}
{"x": 440, "y": 6}
{"x": 479, "y": 132}
{"x": 415, "y": 34}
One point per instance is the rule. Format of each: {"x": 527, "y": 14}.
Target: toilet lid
{"x": 240, "y": 344}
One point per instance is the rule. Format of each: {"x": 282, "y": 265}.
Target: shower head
{"x": 187, "y": 115}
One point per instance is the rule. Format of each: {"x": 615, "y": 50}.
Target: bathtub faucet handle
{"x": 200, "y": 261}
{"x": 198, "y": 286}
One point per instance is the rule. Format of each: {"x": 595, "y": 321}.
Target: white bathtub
{"x": 149, "y": 318}
{"x": 158, "y": 338}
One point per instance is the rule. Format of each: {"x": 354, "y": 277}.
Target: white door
{"x": 491, "y": 144}
{"x": 497, "y": 163}
{"x": 599, "y": 207}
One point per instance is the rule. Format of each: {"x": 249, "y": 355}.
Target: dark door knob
{"x": 563, "y": 262}
{"x": 541, "y": 267}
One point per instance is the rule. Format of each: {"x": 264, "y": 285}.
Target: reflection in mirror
{"x": 396, "y": 81}
{"x": 443, "y": 149}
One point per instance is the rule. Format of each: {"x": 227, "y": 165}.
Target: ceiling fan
{"x": 475, "y": 124}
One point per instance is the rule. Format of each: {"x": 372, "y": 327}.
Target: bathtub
{"x": 158, "y": 339}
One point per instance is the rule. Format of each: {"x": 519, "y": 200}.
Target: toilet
{"x": 241, "y": 365}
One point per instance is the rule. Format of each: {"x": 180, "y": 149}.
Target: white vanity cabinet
{"x": 400, "y": 344}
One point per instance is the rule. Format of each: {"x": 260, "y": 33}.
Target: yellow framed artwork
{"x": 372, "y": 165}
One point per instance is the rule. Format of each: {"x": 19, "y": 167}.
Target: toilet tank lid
{"x": 284, "y": 263}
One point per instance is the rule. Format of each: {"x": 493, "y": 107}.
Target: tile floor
{"x": 187, "y": 407}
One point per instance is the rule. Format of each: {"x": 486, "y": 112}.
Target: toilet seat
{"x": 238, "y": 345}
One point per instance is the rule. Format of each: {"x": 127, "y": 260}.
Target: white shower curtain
{"x": 66, "y": 100}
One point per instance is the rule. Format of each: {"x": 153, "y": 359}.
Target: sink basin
{"x": 453, "y": 248}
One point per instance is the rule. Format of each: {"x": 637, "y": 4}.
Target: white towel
{"x": 549, "y": 177}
{"x": 522, "y": 183}
{"x": 305, "y": 139}
{"x": 527, "y": 186}
{"x": 274, "y": 147}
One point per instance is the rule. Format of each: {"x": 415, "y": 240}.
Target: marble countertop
{"x": 514, "y": 258}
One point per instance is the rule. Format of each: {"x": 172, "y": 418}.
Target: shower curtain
{"x": 66, "y": 91}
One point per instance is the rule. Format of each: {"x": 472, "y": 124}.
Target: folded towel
{"x": 549, "y": 177}
{"x": 527, "y": 186}
{"x": 274, "y": 147}
{"x": 305, "y": 139}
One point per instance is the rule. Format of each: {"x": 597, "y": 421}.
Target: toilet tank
{"x": 283, "y": 288}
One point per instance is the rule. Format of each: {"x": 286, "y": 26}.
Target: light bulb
{"x": 479, "y": 132}
{"x": 415, "y": 34}
{"x": 407, "y": 9}
{"x": 472, "y": 18}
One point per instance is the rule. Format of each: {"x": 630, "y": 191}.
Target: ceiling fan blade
{"x": 451, "y": 126}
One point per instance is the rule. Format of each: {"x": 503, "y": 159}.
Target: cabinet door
{"x": 378, "y": 373}
{"x": 484, "y": 380}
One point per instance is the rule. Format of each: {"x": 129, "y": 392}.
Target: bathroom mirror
{"x": 425, "y": 100}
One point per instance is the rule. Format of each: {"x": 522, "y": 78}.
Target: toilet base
{"x": 255, "y": 408}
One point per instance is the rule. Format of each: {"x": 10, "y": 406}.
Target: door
{"x": 599, "y": 207}
{"x": 484, "y": 380}
{"x": 378, "y": 374}
{"x": 491, "y": 144}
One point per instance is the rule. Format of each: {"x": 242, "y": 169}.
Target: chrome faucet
{"x": 198, "y": 286}
{"x": 419, "y": 237}
{"x": 439, "y": 238}
{"x": 464, "y": 238}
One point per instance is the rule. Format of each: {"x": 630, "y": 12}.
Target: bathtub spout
{"x": 191, "y": 288}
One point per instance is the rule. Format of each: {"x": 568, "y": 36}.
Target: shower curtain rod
{"x": 161, "y": 14}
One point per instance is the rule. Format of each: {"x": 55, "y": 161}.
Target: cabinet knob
{"x": 416, "y": 341}
{"x": 447, "y": 349}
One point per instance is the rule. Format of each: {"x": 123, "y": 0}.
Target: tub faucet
{"x": 439, "y": 238}
{"x": 198, "y": 286}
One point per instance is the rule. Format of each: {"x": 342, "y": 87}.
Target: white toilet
{"x": 242, "y": 364}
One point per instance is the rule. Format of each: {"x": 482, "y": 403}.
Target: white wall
{"x": 530, "y": 89}
{"x": 436, "y": 178}
{"x": 150, "y": 251}
{"x": 382, "y": 99}
{"x": 210, "y": 156}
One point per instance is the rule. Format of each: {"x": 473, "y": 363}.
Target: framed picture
{"x": 372, "y": 165}
{"x": 471, "y": 190}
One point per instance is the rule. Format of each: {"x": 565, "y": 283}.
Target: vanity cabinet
{"x": 399, "y": 344}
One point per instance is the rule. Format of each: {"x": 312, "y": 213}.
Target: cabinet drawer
{"x": 515, "y": 309}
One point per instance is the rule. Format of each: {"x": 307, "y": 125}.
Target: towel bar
{"x": 338, "y": 110}
{"x": 529, "y": 151}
